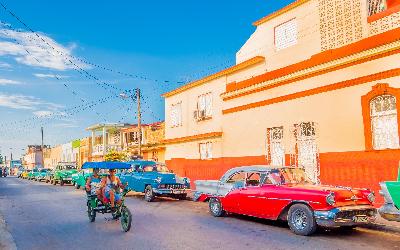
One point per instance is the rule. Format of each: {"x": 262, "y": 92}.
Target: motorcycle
{"x": 96, "y": 204}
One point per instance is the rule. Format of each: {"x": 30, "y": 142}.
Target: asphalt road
{"x": 42, "y": 216}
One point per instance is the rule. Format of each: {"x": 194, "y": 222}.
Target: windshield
{"x": 287, "y": 176}
{"x": 161, "y": 168}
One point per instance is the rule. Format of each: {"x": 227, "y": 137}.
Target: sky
{"x": 63, "y": 64}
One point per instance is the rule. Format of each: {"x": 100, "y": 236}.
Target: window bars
{"x": 384, "y": 125}
{"x": 376, "y": 6}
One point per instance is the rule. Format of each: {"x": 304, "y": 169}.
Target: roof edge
{"x": 280, "y": 12}
{"x": 228, "y": 71}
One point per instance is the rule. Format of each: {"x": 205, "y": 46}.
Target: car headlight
{"x": 371, "y": 197}
{"x": 330, "y": 199}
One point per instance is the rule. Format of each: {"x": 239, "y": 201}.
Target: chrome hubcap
{"x": 299, "y": 219}
{"x": 215, "y": 207}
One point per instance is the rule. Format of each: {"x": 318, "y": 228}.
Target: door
{"x": 307, "y": 150}
{"x": 253, "y": 199}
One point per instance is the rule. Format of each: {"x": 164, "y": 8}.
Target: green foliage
{"x": 115, "y": 156}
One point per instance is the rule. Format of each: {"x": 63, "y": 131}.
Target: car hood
{"x": 166, "y": 178}
{"x": 344, "y": 196}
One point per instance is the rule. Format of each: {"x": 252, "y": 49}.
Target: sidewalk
{"x": 6, "y": 239}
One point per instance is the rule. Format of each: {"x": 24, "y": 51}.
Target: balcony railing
{"x": 99, "y": 149}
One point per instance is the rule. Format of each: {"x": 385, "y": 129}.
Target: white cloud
{"x": 5, "y": 65}
{"x": 49, "y": 76}
{"x": 8, "y": 82}
{"x": 16, "y": 101}
{"x": 43, "y": 113}
{"x": 40, "y": 54}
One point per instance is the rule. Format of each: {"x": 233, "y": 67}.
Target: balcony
{"x": 98, "y": 150}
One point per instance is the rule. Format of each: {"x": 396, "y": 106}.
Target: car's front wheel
{"x": 149, "y": 194}
{"x": 61, "y": 182}
{"x": 301, "y": 220}
{"x": 216, "y": 208}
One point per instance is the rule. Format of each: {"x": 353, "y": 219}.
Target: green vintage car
{"x": 32, "y": 174}
{"x": 41, "y": 175}
{"x": 79, "y": 179}
{"x": 390, "y": 190}
{"x": 63, "y": 173}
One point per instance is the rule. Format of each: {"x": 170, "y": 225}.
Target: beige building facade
{"x": 316, "y": 86}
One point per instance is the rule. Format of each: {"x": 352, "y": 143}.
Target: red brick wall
{"x": 355, "y": 169}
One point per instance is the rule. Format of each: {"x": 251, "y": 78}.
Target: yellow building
{"x": 152, "y": 141}
{"x": 317, "y": 85}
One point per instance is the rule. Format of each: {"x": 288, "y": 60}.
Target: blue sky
{"x": 159, "y": 43}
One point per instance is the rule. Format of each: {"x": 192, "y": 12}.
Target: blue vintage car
{"x": 154, "y": 179}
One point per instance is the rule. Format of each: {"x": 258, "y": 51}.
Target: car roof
{"x": 252, "y": 168}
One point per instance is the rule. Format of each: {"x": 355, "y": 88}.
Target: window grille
{"x": 376, "y": 6}
{"x": 384, "y": 125}
{"x": 275, "y": 149}
{"x": 286, "y": 35}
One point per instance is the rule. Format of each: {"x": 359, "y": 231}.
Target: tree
{"x": 115, "y": 156}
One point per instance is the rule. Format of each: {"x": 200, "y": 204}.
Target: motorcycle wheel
{"x": 126, "y": 219}
{"x": 91, "y": 214}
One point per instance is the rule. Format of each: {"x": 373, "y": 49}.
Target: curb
{"x": 6, "y": 239}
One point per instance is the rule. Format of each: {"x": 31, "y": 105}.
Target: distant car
{"x": 154, "y": 179}
{"x": 390, "y": 190}
{"x": 25, "y": 174}
{"x": 19, "y": 172}
{"x": 62, "y": 174}
{"x": 41, "y": 175}
{"x": 32, "y": 174}
{"x": 285, "y": 193}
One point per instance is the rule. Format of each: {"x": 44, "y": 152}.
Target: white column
{"x": 93, "y": 139}
{"x": 104, "y": 140}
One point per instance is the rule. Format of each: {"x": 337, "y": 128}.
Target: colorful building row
{"x": 317, "y": 85}
{"x": 105, "y": 137}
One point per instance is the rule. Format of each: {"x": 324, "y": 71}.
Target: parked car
{"x": 286, "y": 193}
{"x": 33, "y": 173}
{"x": 63, "y": 173}
{"x": 154, "y": 179}
{"x": 41, "y": 175}
{"x": 19, "y": 172}
{"x": 79, "y": 178}
{"x": 390, "y": 190}
{"x": 25, "y": 174}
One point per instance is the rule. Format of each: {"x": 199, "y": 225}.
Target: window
{"x": 237, "y": 177}
{"x": 275, "y": 149}
{"x": 205, "y": 150}
{"x": 286, "y": 35}
{"x": 204, "y": 107}
{"x": 384, "y": 124}
{"x": 176, "y": 115}
{"x": 376, "y": 6}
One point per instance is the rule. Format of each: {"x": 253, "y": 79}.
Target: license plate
{"x": 176, "y": 191}
{"x": 360, "y": 219}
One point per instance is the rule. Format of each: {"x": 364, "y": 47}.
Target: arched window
{"x": 384, "y": 125}
{"x": 381, "y": 117}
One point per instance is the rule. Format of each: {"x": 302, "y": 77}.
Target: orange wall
{"x": 364, "y": 169}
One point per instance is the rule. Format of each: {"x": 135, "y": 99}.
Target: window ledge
{"x": 383, "y": 14}
{"x": 205, "y": 119}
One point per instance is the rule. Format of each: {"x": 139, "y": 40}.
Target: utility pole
{"x": 139, "y": 116}
{"x": 41, "y": 130}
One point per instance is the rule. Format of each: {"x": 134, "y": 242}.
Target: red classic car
{"x": 285, "y": 193}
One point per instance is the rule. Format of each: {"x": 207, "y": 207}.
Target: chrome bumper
{"x": 162, "y": 191}
{"x": 389, "y": 212}
{"x": 345, "y": 216}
